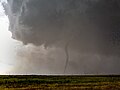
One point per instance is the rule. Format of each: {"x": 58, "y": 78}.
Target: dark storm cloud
{"x": 89, "y": 25}
{"x": 90, "y": 28}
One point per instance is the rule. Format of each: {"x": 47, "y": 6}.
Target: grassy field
{"x": 38, "y": 82}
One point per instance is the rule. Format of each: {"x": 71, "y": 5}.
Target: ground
{"x": 50, "y": 82}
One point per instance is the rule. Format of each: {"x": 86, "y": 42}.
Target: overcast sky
{"x": 47, "y": 33}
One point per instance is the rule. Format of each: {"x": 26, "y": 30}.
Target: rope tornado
{"x": 67, "y": 57}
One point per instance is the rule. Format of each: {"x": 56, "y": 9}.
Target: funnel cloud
{"x": 80, "y": 36}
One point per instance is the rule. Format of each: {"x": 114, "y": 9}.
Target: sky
{"x": 7, "y": 45}
{"x": 60, "y": 37}
{"x": 5, "y": 42}
{"x": 12, "y": 51}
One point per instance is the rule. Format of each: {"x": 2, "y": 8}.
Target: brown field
{"x": 73, "y": 82}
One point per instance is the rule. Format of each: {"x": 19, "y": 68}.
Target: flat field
{"x": 63, "y": 82}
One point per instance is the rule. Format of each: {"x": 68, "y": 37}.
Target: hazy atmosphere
{"x": 60, "y": 37}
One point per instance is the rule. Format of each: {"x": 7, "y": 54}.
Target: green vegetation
{"x": 85, "y": 82}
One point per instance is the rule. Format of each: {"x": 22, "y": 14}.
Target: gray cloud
{"x": 89, "y": 27}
